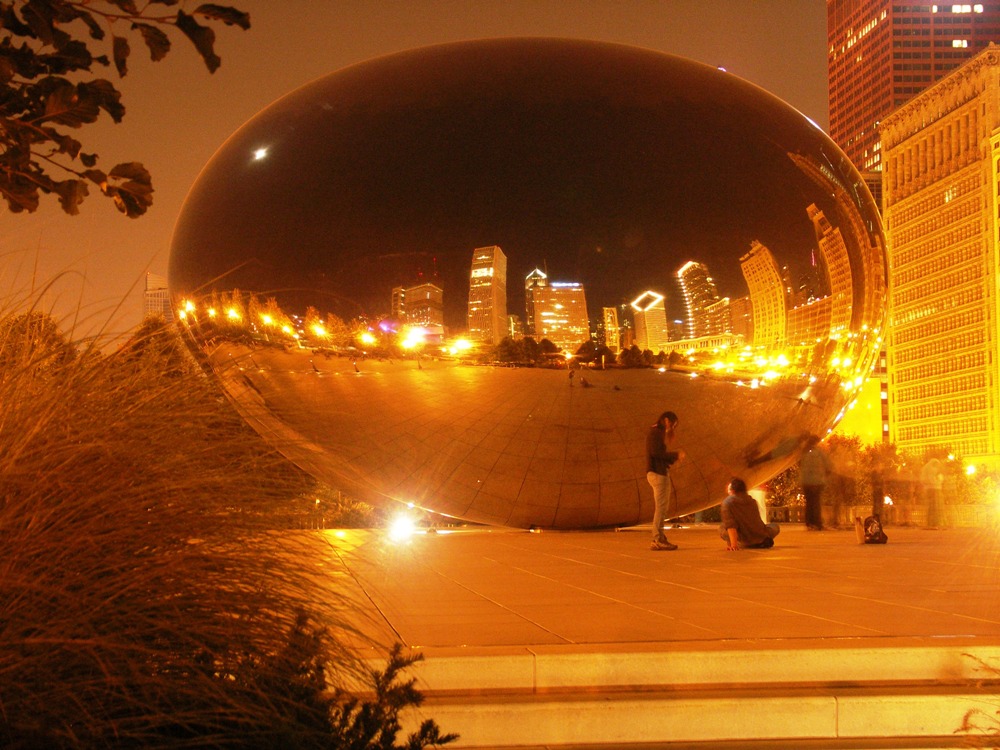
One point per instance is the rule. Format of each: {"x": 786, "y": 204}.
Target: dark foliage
{"x": 46, "y": 51}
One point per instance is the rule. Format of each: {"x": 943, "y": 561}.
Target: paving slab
{"x": 482, "y": 587}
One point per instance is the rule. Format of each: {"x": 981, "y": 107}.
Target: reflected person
{"x": 931, "y": 483}
{"x": 742, "y": 526}
{"x": 815, "y": 468}
{"x": 659, "y": 459}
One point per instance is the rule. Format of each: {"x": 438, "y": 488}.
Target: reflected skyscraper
{"x": 488, "y": 295}
{"x": 835, "y": 261}
{"x": 612, "y": 336}
{"x": 560, "y": 314}
{"x": 767, "y": 295}
{"x": 701, "y": 311}
{"x": 650, "y": 316}
{"x": 536, "y": 279}
{"x": 421, "y": 305}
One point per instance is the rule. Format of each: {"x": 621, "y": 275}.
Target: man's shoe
{"x": 664, "y": 545}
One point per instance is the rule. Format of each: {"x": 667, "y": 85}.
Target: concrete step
{"x": 913, "y": 693}
{"x": 629, "y": 719}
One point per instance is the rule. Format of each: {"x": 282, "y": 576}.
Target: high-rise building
{"x": 612, "y": 334}
{"x": 881, "y": 53}
{"x": 560, "y": 314}
{"x": 156, "y": 298}
{"x": 397, "y": 306}
{"x": 425, "y": 306}
{"x": 534, "y": 280}
{"x": 488, "y": 295}
{"x": 650, "y": 316}
{"x": 941, "y": 182}
{"x": 421, "y": 305}
{"x": 700, "y": 295}
{"x": 767, "y": 296}
{"x": 741, "y": 315}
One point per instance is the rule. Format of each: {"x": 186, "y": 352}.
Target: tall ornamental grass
{"x": 145, "y": 599}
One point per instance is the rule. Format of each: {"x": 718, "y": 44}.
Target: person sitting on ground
{"x": 742, "y": 525}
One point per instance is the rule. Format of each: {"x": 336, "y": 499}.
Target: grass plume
{"x": 146, "y": 598}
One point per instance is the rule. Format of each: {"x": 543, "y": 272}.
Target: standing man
{"x": 742, "y": 525}
{"x": 659, "y": 459}
{"x": 815, "y": 468}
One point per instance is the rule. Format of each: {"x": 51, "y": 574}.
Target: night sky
{"x": 178, "y": 115}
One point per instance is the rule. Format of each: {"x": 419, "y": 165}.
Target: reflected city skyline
{"x": 553, "y": 189}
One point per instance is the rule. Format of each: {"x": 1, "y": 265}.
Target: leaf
{"x": 10, "y": 21}
{"x": 133, "y": 196}
{"x": 121, "y": 52}
{"x": 7, "y": 68}
{"x": 157, "y": 42}
{"x": 202, "y": 37}
{"x": 62, "y": 104}
{"x": 96, "y": 32}
{"x": 71, "y": 194}
{"x": 20, "y": 195}
{"x": 106, "y": 96}
{"x": 66, "y": 144}
{"x": 229, "y": 16}
{"x": 38, "y": 16}
{"x": 71, "y": 56}
{"x": 132, "y": 170}
{"x": 88, "y": 160}
{"x": 96, "y": 176}
{"x": 78, "y": 105}
{"x": 126, "y": 6}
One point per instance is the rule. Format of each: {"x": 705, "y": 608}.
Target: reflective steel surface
{"x": 350, "y": 260}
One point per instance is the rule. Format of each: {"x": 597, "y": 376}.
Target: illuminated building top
{"x": 650, "y": 316}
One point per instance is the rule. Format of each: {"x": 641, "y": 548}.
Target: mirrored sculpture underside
{"x": 342, "y": 248}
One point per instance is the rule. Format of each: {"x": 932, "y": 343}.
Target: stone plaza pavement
{"x": 589, "y": 639}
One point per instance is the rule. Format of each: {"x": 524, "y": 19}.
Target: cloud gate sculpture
{"x": 471, "y": 276}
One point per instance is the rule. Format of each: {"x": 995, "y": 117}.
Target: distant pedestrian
{"x": 659, "y": 460}
{"x": 571, "y": 374}
{"x": 931, "y": 482}
{"x": 742, "y": 526}
{"x": 815, "y": 468}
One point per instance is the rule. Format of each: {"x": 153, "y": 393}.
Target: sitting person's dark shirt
{"x": 740, "y": 512}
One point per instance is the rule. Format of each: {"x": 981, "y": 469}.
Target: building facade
{"x": 424, "y": 304}
{"x": 701, "y": 310}
{"x": 649, "y": 313}
{"x": 767, "y": 296}
{"x": 560, "y": 314}
{"x": 612, "y": 333}
{"x": 488, "y": 295}
{"x": 156, "y": 298}
{"x": 881, "y": 53}
{"x": 941, "y": 155}
{"x": 537, "y": 279}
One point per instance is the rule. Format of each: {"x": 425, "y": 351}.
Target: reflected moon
{"x": 471, "y": 276}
